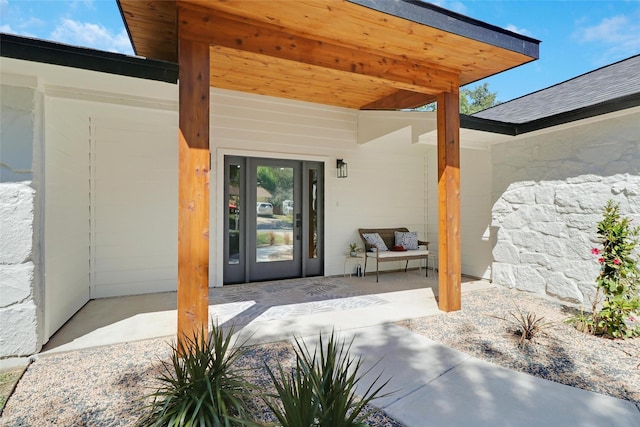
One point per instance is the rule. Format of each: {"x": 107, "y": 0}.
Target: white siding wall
{"x": 134, "y": 200}
{"x": 386, "y": 183}
{"x": 66, "y": 256}
{"x": 475, "y": 207}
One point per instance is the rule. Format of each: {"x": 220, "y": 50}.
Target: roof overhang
{"x": 47, "y": 52}
{"x": 480, "y": 133}
{"x": 360, "y": 54}
{"x": 595, "y": 110}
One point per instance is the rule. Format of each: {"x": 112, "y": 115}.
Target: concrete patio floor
{"x": 345, "y": 304}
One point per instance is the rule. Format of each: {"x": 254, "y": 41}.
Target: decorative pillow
{"x": 375, "y": 240}
{"x": 407, "y": 240}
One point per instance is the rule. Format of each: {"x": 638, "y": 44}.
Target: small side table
{"x": 355, "y": 261}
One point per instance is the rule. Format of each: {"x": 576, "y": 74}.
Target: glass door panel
{"x": 274, "y": 228}
{"x": 235, "y": 205}
{"x": 313, "y": 213}
{"x": 313, "y": 218}
{"x": 274, "y": 214}
{"x": 273, "y": 219}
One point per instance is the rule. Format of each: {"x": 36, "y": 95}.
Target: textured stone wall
{"x": 18, "y": 310}
{"x": 549, "y": 192}
{"x": 20, "y": 283}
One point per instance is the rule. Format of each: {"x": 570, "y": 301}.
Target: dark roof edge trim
{"x": 495, "y": 126}
{"x": 443, "y": 19}
{"x": 581, "y": 76}
{"x": 610, "y": 106}
{"x": 487, "y": 125}
{"x": 36, "y": 50}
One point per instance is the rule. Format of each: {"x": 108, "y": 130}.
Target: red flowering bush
{"x": 618, "y": 280}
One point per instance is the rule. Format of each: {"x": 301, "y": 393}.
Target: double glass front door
{"x": 273, "y": 219}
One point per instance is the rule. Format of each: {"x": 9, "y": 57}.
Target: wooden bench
{"x": 388, "y": 236}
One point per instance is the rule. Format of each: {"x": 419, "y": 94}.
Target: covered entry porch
{"x": 360, "y": 55}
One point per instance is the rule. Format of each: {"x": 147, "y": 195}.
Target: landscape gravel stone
{"x": 485, "y": 328}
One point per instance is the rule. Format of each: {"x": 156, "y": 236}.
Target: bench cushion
{"x": 389, "y": 255}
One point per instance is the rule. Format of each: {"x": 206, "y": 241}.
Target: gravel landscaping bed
{"x": 104, "y": 386}
{"x": 560, "y": 353}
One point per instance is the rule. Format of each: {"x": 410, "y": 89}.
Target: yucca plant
{"x": 321, "y": 391}
{"x": 200, "y": 385}
{"x": 528, "y": 325}
{"x": 298, "y": 405}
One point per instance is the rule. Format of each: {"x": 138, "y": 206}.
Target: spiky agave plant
{"x": 321, "y": 391}
{"x": 294, "y": 403}
{"x": 200, "y": 385}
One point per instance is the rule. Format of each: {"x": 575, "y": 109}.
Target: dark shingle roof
{"x": 615, "y": 81}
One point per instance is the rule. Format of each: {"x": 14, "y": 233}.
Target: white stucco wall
{"x": 20, "y": 212}
{"x": 549, "y": 190}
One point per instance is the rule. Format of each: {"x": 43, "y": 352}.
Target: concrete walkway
{"x": 439, "y": 386}
{"x": 436, "y": 385}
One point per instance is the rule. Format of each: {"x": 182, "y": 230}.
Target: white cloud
{"x": 517, "y": 30}
{"x": 86, "y": 3}
{"x": 620, "y": 35}
{"x": 609, "y": 30}
{"x": 91, "y": 35}
{"x": 14, "y": 19}
{"x": 6, "y": 28}
{"x": 32, "y": 22}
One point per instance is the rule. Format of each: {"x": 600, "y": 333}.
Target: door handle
{"x": 298, "y": 226}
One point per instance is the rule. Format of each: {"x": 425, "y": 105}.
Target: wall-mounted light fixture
{"x": 341, "y": 167}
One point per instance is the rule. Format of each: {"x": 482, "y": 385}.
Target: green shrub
{"x": 616, "y": 303}
{"x": 321, "y": 390}
{"x": 200, "y": 386}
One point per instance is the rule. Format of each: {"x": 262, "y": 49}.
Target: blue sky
{"x": 577, "y": 36}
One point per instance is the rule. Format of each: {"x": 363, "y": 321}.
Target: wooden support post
{"x": 193, "y": 188}
{"x": 449, "y": 247}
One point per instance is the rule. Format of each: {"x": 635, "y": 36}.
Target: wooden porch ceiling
{"x": 357, "y": 54}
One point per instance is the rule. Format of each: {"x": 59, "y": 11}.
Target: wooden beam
{"x": 400, "y": 100}
{"x": 449, "y": 246}
{"x": 242, "y": 34}
{"x": 193, "y": 188}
